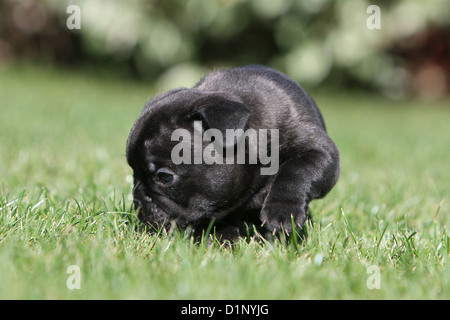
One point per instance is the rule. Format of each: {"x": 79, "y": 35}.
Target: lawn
{"x": 382, "y": 233}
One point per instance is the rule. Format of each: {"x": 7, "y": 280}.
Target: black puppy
{"x": 202, "y": 154}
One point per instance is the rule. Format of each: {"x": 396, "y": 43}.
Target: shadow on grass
{"x": 207, "y": 236}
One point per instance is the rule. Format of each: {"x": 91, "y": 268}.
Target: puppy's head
{"x": 187, "y": 193}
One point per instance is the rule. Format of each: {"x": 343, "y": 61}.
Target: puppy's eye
{"x": 165, "y": 176}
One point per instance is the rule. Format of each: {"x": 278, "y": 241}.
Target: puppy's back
{"x": 256, "y": 85}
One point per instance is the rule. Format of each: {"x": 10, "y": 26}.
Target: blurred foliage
{"x": 317, "y": 42}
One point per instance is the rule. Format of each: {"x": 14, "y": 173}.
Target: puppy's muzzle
{"x": 148, "y": 211}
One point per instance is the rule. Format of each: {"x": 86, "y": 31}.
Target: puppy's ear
{"x": 222, "y": 114}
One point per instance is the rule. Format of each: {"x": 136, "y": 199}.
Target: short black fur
{"x": 249, "y": 97}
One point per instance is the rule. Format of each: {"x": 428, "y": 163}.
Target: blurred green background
{"x": 174, "y": 42}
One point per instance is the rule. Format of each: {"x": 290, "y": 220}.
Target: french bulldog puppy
{"x": 201, "y": 154}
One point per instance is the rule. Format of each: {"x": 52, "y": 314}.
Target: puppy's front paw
{"x": 276, "y": 216}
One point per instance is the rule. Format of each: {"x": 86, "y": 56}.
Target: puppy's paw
{"x": 277, "y": 216}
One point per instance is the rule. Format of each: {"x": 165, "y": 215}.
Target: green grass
{"x": 65, "y": 200}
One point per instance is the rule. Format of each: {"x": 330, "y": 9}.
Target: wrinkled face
{"x": 166, "y": 191}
